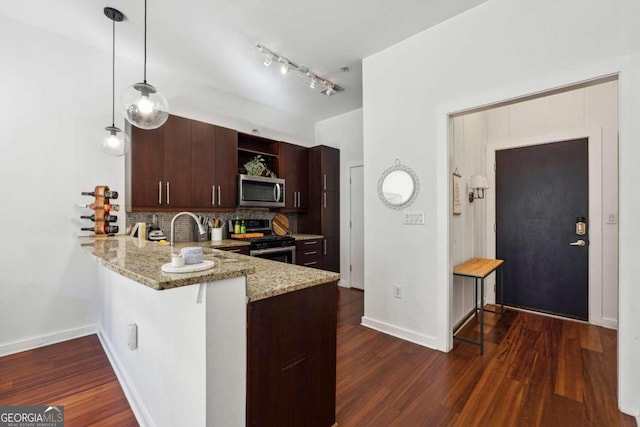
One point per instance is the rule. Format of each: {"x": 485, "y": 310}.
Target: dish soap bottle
{"x": 243, "y": 227}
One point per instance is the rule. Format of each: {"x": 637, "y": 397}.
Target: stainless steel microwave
{"x": 260, "y": 191}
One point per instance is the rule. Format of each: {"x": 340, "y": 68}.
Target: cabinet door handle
{"x": 159, "y": 192}
{"x": 168, "y": 193}
{"x": 311, "y": 243}
{"x": 325, "y": 181}
{"x": 311, "y": 253}
{"x": 325, "y": 200}
{"x": 325, "y": 247}
{"x": 234, "y": 250}
{"x": 213, "y": 195}
{"x": 219, "y": 198}
{"x": 311, "y": 263}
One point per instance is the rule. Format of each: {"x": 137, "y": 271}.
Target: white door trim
{"x": 594, "y": 135}
{"x": 346, "y": 274}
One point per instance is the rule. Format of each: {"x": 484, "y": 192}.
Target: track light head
{"x": 268, "y": 60}
{"x": 284, "y": 69}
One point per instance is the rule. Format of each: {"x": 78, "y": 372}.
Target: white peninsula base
{"x": 189, "y": 367}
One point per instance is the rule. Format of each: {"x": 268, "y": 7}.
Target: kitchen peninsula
{"x": 247, "y": 342}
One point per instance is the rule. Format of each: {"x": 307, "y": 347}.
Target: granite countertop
{"x": 307, "y": 236}
{"x": 226, "y": 243}
{"x": 142, "y": 261}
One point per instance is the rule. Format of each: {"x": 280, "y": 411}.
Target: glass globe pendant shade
{"x": 144, "y": 106}
{"x": 115, "y": 142}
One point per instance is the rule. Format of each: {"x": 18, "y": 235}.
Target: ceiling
{"x": 213, "y": 41}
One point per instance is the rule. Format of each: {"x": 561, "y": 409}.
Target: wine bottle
{"x": 108, "y": 229}
{"x": 108, "y": 207}
{"x": 107, "y": 194}
{"x": 108, "y": 218}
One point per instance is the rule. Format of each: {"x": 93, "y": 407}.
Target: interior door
{"x": 356, "y": 203}
{"x": 540, "y": 192}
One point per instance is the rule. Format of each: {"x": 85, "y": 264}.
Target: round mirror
{"x": 398, "y": 186}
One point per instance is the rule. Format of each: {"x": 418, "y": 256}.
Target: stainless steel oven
{"x": 283, "y": 254}
{"x": 269, "y": 246}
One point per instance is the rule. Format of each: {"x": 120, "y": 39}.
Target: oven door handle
{"x": 254, "y": 252}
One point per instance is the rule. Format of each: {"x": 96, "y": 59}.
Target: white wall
{"x": 593, "y": 107}
{"x": 343, "y": 132}
{"x": 55, "y": 103}
{"x": 500, "y": 50}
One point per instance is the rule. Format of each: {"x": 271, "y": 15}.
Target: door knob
{"x": 578, "y": 243}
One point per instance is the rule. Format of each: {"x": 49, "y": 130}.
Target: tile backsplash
{"x": 185, "y": 227}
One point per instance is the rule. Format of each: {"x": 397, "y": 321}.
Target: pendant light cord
{"x": 113, "y": 76}
{"x": 145, "y": 41}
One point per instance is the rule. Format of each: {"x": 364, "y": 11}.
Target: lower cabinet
{"x": 309, "y": 253}
{"x": 291, "y": 359}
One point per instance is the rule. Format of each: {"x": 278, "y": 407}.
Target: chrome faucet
{"x": 201, "y": 228}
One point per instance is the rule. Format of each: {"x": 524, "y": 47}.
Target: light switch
{"x": 414, "y": 218}
{"x": 612, "y": 219}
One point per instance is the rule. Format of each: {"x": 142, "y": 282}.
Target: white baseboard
{"x": 343, "y": 284}
{"x": 41, "y": 341}
{"x": 133, "y": 397}
{"x": 405, "y": 334}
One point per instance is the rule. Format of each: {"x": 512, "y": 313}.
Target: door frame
{"x": 594, "y": 136}
{"x": 351, "y": 167}
{"x": 345, "y": 274}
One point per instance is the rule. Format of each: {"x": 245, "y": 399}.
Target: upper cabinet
{"x": 183, "y": 164}
{"x": 213, "y": 166}
{"x": 294, "y": 167}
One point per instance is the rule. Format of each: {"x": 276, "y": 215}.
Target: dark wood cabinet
{"x": 145, "y": 163}
{"x": 185, "y": 164}
{"x": 294, "y": 165}
{"x": 177, "y": 162}
{"x": 323, "y": 214}
{"x": 226, "y": 165}
{"x": 309, "y": 253}
{"x": 213, "y": 166}
{"x": 160, "y": 162}
{"x": 291, "y": 359}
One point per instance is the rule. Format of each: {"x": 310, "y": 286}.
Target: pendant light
{"x": 143, "y": 105}
{"x": 115, "y": 142}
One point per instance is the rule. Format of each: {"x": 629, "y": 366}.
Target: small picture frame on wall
{"x": 457, "y": 194}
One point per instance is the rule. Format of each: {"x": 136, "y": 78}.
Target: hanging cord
{"x": 113, "y": 75}
{"x": 145, "y": 41}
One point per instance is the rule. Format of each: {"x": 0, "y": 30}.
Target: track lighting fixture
{"x": 115, "y": 142}
{"x": 287, "y": 65}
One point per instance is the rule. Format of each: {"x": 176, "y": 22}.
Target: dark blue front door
{"x": 540, "y": 192}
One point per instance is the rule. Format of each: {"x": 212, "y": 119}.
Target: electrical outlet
{"x": 612, "y": 219}
{"x": 132, "y": 336}
{"x": 397, "y": 291}
{"x": 414, "y": 218}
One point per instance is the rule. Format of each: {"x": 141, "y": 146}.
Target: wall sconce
{"x": 478, "y": 185}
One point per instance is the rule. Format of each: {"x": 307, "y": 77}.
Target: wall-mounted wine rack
{"x": 102, "y": 211}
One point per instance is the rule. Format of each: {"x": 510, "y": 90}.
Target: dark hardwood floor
{"x": 536, "y": 371}
{"x": 75, "y": 374}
